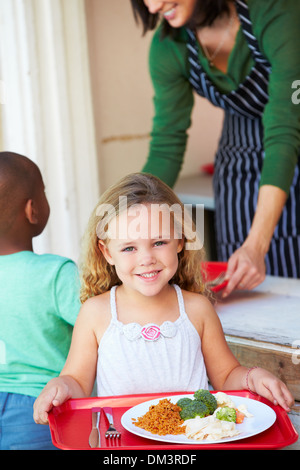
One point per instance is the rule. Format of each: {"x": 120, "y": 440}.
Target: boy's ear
{"x": 105, "y": 251}
{"x": 31, "y": 212}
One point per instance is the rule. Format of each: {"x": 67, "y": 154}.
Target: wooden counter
{"x": 262, "y": 327}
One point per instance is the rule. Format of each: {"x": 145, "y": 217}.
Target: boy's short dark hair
{"x": 18, "y": 178}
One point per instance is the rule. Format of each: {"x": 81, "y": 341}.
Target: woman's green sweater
{"x": 276, "y": 25}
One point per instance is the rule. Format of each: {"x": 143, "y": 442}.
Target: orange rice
{"x": 162, "y": 419}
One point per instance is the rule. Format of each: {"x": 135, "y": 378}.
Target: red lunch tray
{"x": 212, "y": 269}
{"x": 70, "y": 426}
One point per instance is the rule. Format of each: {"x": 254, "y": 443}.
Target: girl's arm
{"x": 56, "y": 392}
{"x": 262, "y": 382}
{"x": 78, "y": 375}
{"x": 224, "y": 370}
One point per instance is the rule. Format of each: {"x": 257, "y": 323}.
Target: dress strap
{"x": 180, "y": 301}
{"x": 113, "y": 305}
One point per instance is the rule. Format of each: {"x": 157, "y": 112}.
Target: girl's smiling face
{"x": 176, "y": 13}
{"x": 145, "y": 255}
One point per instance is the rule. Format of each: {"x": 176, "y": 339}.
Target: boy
{"x": 39, "y": 303}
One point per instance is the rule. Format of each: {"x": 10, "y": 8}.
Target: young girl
{"x": 146, "y": 324}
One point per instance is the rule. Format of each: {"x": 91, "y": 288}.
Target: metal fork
{"x": 111, "y": 433}
{"x": 218, "y": 280}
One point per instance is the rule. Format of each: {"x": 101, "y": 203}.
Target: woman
{"x": 244, "y": 57}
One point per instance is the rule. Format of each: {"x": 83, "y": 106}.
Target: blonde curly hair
{"x": 97, "y": 275}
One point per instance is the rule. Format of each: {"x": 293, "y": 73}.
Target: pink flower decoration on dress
{"x": 150, "y": 332}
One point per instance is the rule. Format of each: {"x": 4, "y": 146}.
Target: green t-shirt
{"x": 39, "y": 303}
{"x": 276, "y": 25}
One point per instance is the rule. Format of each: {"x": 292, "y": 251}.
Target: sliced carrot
{"x": 239, "y": 417}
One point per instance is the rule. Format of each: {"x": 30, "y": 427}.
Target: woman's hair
{"x": 205, "y": 13}
{"x": 97, "y": 275}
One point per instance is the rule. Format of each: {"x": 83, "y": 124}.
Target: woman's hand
{"x": 246, "y": 269}
{"x": 268, "y": 386}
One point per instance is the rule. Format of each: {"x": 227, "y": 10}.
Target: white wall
{"x": 47, "y": 114}
{"x": 122, "y": 95}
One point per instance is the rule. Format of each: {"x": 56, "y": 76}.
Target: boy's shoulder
{"x": 32, "y": 264}
{"x": 52, "y": 260}
{"x": 28, "y": 256}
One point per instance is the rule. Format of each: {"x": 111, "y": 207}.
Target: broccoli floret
{"x": 226, "y": 414}
{"x": 193, "y": 409}
{"x": 184, "y": 402}
{"x": 208, "y": 399}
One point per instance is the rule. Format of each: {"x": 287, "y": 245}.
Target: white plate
{"x": 263, "y": 418}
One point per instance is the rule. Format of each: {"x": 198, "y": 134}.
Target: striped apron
{"x": 239, "y": 159}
